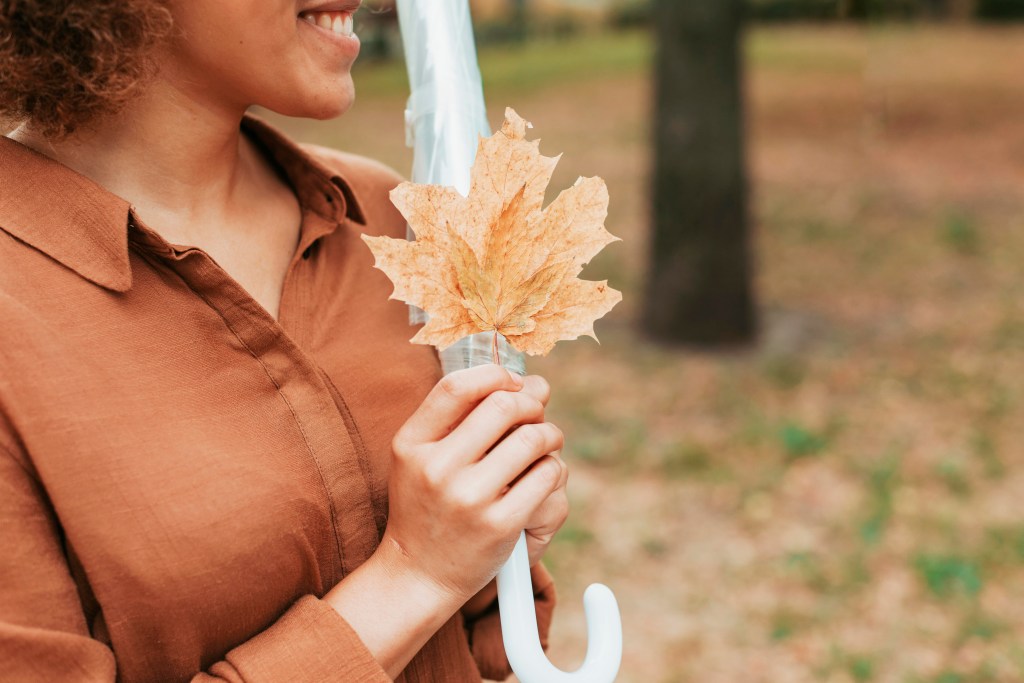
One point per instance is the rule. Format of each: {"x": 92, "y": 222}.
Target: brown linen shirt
{"x": 182, "y": 477}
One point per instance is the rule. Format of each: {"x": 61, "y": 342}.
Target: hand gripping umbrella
{"x": 444, "y": 119}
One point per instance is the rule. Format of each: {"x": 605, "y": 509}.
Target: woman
{"x": 220, "y": 458}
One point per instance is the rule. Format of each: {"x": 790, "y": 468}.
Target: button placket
{"x": 331, "y": 445}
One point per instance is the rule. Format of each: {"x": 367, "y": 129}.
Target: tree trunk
{"x": 518, "y": 20}
{"x": 962, "y": 10}
{"x": 699, "y": 290}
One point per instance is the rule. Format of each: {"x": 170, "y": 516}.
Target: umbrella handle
{"x": 522, "y": 640}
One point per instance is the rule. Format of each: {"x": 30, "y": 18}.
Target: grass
{"x": 511, "y": 70}
{"x": 686, "y": 460}
{"x": 861, "y": 668}
{"x": 947, "y": 576}
{"x": 881, "y": 480}
{"x": 960, "y": 234}
{"x": 843, "y": 503}
{"x": 799, "y": 442}
{"x": 802, "y": 51}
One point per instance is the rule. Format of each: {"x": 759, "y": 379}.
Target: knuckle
{"x": 542, "y": 437}
{"x": 505, "y": 404}
{"x": 434, "y": 476}
{"x": 561, "y": 511}
{"x": 458, "y": 499}
{"x": 544, "y": 538}
{"x": 462, "y": 497}
{"x": 532, "y": 437}
{"x": 472, "y": 497}
{"x": 498, "y": 524}
{"x": 557, "y": 437}
{"x": 401, "y": 445}
{"x": 540, "y": 388}
{"x": 452, "y": 386}
{"x": 516, "y": 521}
{"x": 495, "y": 375}
{"x": 552, "y": 471}
{"x": 532, "y": 407}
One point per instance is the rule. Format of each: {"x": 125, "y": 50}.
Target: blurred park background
{"x": 835, "y": 492}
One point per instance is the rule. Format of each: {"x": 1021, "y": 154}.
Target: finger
{"x": 550, "y": 515}
{"x": 516, "y": 453}
{"x": 489, "y": 422}
{"x": 453, "y": 398}
{"x": 538, "y": 387}
{"x": 530, "y": 491}
{"x": 557, "y": 455}
{"x": 544, "y": 524}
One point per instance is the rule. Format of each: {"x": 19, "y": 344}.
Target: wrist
{"x": 403, "y": 571}
{"x": 392, "y": 606}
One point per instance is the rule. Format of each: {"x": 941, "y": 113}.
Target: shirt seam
{"x": 9, "y": 452}
{"x": 380, "y": 520}
{"x": 13, "y": 446}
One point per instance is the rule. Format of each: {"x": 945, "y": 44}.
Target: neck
{"x": 176, "y": 159}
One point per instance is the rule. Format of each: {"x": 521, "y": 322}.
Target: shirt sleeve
{"x": 44, "y": 636}
{"x": 43, "y": 633}
{"x": 310, "y": 642}
{"x": 485, "y": 631}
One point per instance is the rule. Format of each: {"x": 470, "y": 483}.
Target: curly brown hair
{"x": 65, "y": 62}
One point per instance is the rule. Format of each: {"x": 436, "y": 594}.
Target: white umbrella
{"x": 444, "y": 119}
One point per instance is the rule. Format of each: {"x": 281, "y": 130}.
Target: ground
{"x": 843, "y": 503}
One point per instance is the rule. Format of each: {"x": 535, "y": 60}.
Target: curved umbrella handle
{"x": 445, "y": 117}
{"x": 522, "y": 640}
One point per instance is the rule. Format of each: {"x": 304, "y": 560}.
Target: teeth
{"x": 340, "y": 23}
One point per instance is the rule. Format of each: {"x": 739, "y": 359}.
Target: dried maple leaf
{"x": 495, "y": 260}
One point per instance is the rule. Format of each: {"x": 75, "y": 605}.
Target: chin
{"x": 321, "y": 104}
{"x": 333, "y": 110}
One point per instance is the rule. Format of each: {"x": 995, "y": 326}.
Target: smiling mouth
{"x": 340, "y": 23}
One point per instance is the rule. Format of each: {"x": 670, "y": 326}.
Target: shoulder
{"x": 27, "y": 279}
{"x": 370, "y": 182}
{"x": 362, "y": 172}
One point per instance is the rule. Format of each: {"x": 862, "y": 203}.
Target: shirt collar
{"x": 83, "y": 226}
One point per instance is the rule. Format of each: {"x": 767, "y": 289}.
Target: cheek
{"x": 260, "y": 58}
{"x": 227, "y": 44}
{"x": 243, "y": 50}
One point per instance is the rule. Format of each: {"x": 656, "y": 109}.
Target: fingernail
{"x": 517, "y": 379}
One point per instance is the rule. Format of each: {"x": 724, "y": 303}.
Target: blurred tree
{"x": 961, "y": 9}
{"x": 699, "y": 290}
{"x": 378, "y": 30}
{"x": 1001, "y": 10}
{"x": 518, "y": 19}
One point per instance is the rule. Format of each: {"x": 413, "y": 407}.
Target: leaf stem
{"x": 494, "y": 349}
